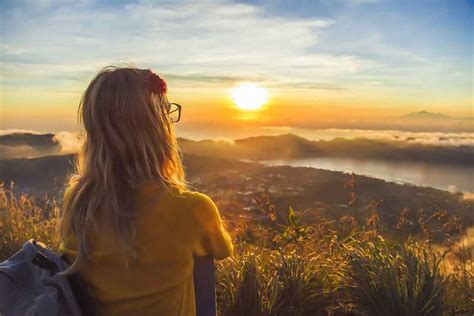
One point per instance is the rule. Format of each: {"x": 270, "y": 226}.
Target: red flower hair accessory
{"x": 156, "y": 84}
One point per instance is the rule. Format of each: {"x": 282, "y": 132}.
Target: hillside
{"x": 235, "y": 185}
{"x": 27, "y": 145}
{"x": 306, "y": 240}
{"x": 291, "y": 147}
{"x": 455, "y": 151}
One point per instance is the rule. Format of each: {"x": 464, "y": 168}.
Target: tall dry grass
{"x": 283, "y": 266}
{"x": 24, "y": 217}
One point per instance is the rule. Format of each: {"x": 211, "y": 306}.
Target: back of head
{"x": 129, "y": 139}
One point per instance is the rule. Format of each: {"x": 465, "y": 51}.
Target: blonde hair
{"x": 128, "y": 140}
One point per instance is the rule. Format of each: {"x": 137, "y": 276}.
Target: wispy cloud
{"x": 70, "y": 142}
{"x": 212, "y": 41}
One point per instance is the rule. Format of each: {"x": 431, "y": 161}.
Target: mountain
{"x": 28, "y": 139}
{"x": 254, "y": 148}
{"x": 290, "y": 146}
{"x": 28, "y": 145}
{"x": 47, "y": 175}
{"x": 425, "y": 115}
{"x": 281, "y": 147}
{"x": 37, "y": 175}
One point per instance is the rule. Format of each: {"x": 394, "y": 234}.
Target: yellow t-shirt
{"x": 177, "y": 226}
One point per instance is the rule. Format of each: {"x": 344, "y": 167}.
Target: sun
{"x": 249, "y": 96}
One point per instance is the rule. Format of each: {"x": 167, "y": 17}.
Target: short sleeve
{"x": 213, "y": 239}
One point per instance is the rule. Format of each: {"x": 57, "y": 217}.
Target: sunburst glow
{"x": 249, "y": 96}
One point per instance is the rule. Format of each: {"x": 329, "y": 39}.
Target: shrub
{"x": 23, "y": 218}
{"x": 239, "y": 288}
{"x": 296, "y": 289}
{"x": 396, "y": 280}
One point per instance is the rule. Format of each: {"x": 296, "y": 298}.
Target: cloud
{"x": 445, "y": 139}
{"x": 17, "y": 130}
{"x": 424, "y": 138}
{"x": 70, "y": 142}
{"x": 452, "y": 188}
{"x": 329, "y": 45}
{"x": 16, "y": 143}
{"x": 375, "y": 55}
{"x": 468, "y": 196}
{"x": 217, "y": 41}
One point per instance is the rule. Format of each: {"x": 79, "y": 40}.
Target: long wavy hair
{"x": 128, "y": 140}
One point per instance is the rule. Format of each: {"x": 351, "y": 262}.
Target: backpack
{"x": 31, "y": 285}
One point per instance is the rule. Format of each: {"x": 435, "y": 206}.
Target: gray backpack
{"x": 31, "y": 285}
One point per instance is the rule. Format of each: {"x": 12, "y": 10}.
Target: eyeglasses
{"x": 174, "y": 112}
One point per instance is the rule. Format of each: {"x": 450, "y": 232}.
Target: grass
{"x": 331, "y": 267}
{"x": 25, "y": 217}
{"x": 397, "y": 280}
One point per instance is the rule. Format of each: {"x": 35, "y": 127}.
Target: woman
{"x": 129, "y": 227}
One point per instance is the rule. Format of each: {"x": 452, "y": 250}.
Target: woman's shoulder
{"x": 195, "y": 198}
{"x": 202, "y": 208}
{"x": 174, "y": 195}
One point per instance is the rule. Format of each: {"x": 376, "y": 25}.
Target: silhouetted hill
{"x": 38, "y": 175}
{"x": 27, "y": 145}
{"x": 235, "y": 184}
{"x": 280, "y": 147}
{"x": 427, "y": 115}
{"x": 253, "y": 148}
{"x": 292, "y": 146}
{"x": 49, "y": 174}
{"x": 34, "y": 140}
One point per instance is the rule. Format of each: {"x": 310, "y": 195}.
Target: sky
{"x": 325, "y": 64}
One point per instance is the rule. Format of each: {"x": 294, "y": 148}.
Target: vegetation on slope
{"x": 284, "y": 266}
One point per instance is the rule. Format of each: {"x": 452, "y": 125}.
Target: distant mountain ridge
{"x": 426, "y": 115}
{"x": 28, "y": 139}
{"x": 281, "y": 147}
{"x": 28, "y": 145}
{"x": 291, "y": 146}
